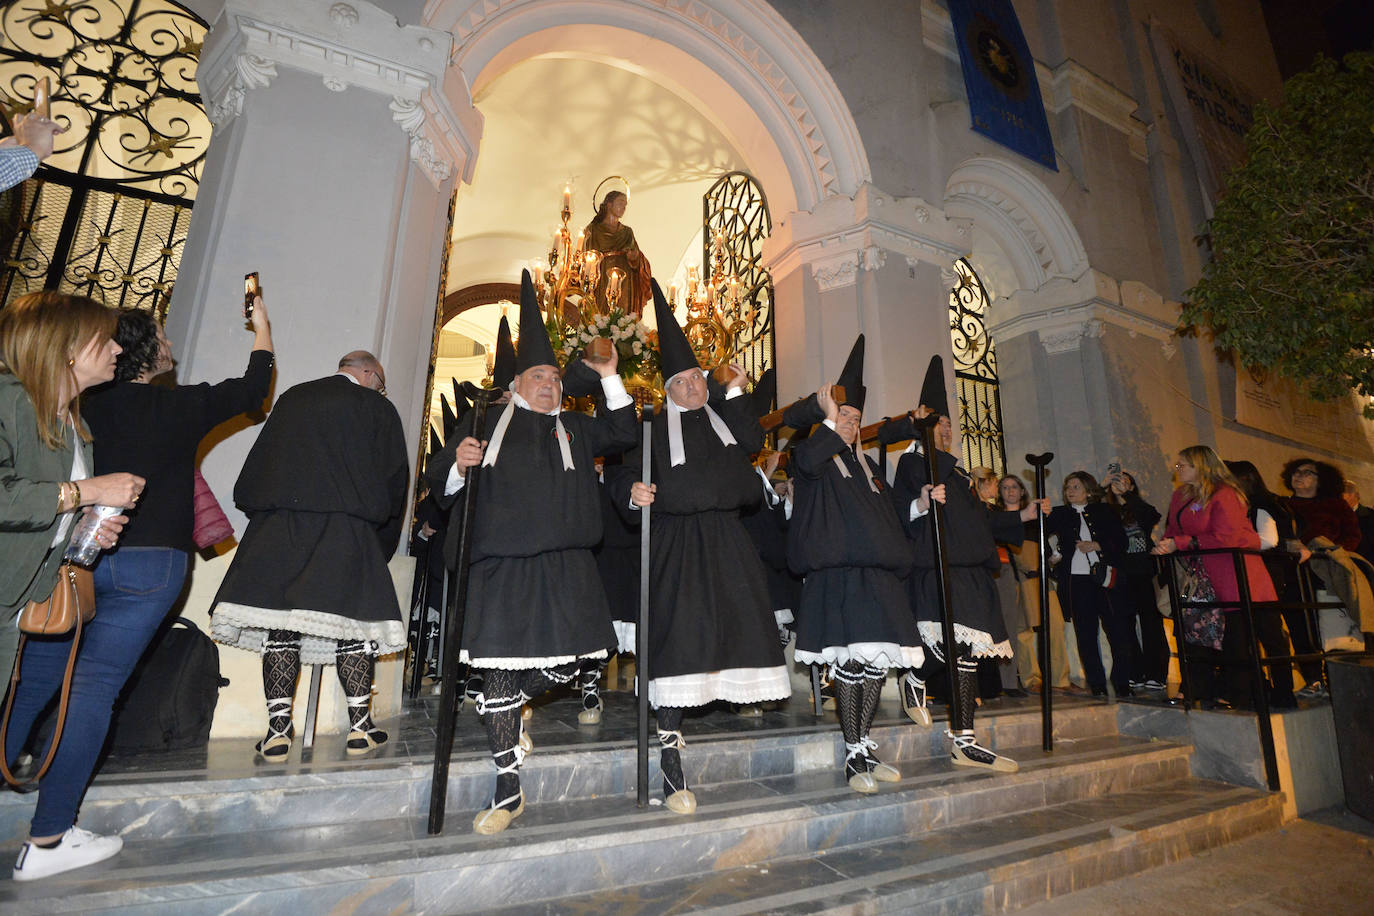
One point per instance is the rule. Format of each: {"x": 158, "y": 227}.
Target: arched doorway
{"x": 574, "y": 91}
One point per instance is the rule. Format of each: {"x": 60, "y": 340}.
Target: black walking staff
{"x": 1038, "y": 463}
{"x": 457, "y": 605}
{"x": 642, "y": 627}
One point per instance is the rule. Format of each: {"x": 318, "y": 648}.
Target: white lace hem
{"x": 979, "y": 641}
{"x": 877, "y": 654}
{"x": 525, "y": 664}
{"x": 625, "y": 635}
{"x": 734, "y": 685}
{"x": 246, "y": 627}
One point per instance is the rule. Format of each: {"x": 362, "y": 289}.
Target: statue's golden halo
{"x": 623, "y": 186}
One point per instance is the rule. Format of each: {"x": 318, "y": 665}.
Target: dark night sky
{"x": 1300, "y": 29}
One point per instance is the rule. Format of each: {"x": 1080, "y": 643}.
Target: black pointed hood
{"x": 852, "y": 376}
{"x": 535, "y": 349}
{"x": 933, "y": 388}
{"x": 436, "y": 445}
{"x": 675, "y": 353}
{"x": 765, "y": 392}
{"x": 503, "y": 368}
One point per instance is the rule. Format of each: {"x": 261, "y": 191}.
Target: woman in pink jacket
{"x": 1208, "y": 510}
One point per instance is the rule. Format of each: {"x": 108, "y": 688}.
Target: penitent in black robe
{"x": 971, "y": 538}
{"x": 534, "y": 596}
{"x": 712, "y": 632}
{"x": 324, "y": 489}
{"x": 846, "y": 540}
{"x": 767, "y": 526}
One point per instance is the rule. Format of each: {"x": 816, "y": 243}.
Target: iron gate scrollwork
{"x": 107, "y": 214}
{"x": 975, "y": 372}
{"x": 735, "y": 206}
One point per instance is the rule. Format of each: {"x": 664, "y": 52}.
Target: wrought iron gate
{"x": 106, "y": 216}
{"x": 975, "y": 372}
{"x": 736, "y": 207}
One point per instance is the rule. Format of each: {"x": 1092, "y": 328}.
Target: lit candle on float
{"x": 567, "y": 197}
{"x": 672, "y": 294}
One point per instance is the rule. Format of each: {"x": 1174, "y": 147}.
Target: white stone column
{"x": 339, "y": 135}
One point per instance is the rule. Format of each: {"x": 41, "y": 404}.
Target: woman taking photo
{"x": 1208, "y": 510}
{"x": 55, "y": 346}
{"x": 1092, "y": 542}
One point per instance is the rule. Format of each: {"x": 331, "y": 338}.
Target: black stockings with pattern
{"x": 504, "y": 692}
{"x": 589, "y": 681}
{"x": 966, "y": 670}
{"x": 281, "y": 666}
{"x": 849, "y": 697}
{"x": 355, "y": 665}
{"x": 670, "y": 752}
{"x": 874, "y": 678}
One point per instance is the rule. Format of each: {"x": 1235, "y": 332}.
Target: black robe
{"x": 617, "y": 559}
{"x": 767, "y": 526}
{"x": 534, "y": 596}
{"x": 709, "y": 612}
{"x": 324, "y": 488}
{"x": 846, "y": 540}
{"x": 971, "y": 538}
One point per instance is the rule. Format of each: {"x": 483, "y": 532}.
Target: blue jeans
{"x": 134, "y": 589}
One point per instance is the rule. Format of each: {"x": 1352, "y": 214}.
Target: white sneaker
{"x": 77, "y": 849}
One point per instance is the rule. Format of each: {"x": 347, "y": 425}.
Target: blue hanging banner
{"x": 999, "y": 73}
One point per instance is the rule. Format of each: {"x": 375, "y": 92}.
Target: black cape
{"x": 534, "y": 595}
{"x": 324, "y": 489}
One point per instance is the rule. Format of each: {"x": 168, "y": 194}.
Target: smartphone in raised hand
{"x": 42, "y": 98}
{"x": 251, "y": 290}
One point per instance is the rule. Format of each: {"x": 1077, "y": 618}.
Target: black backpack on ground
{"x": 169, "y": 701}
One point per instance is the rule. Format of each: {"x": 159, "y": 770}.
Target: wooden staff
{"x": 937, "y": 517}
{"x": 642, "y": 627}
{"x": 454, "y": 613}
{"x": 1038, "y": 463}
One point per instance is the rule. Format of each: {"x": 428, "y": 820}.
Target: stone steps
{"x": 571, "y": 841}
{"x": 257, "y": 797}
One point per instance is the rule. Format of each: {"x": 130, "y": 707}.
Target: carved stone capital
{"x": 836, "y": 272}
{"x": 353, "y": 44}
{"x": 1068, "y": 339}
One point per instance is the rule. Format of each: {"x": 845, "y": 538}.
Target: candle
{"x": 581, "y": 238}
{"x": 567, "y": 197}
{"x": 538, "y": 273}
{"x": 672, "y": 294}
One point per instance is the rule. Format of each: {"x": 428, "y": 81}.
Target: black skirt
{"x": 977, "y": 607}
{"x": 532, "y": 612}
{"x": 318, "y": 574}
{"x": 709, "y": 606}
{"x": 856, "y": 613}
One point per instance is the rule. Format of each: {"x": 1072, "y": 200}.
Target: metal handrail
{"x": 1246, "y": 605}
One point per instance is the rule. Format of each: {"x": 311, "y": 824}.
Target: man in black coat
{"x": 324, "y": 488}
{"x": 535, "y": 603}
{"x": 713, "y": 634}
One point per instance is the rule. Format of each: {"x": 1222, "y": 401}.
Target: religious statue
{"x": 615, "y": 241}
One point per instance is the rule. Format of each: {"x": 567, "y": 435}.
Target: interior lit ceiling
{"x": 551, "y": 122}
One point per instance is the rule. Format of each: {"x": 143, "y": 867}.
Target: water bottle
{"x": 83, "y": 549}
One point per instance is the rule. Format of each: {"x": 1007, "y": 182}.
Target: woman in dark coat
{"x": 1091, "y": 539}
{"x": 1138, "y": 519}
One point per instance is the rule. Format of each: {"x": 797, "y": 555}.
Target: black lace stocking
{"x": 966, "y": 670}
{"x": 499, "y": 706}
{"x": 849, "y": 690}
{"x": 539, "y": 681}
{"x": 281, "y": 666}
{"x": 355, "y": 663}
{"x": 589, "y": 680}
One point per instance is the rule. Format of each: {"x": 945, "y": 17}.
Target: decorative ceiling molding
{"x": 744, "y": 42}
{"x": 346, "y": 44}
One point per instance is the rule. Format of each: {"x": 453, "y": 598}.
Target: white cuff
{"x": 916, "y": 511}
{"x": 829, "y": 424}
{"x": 733, "y": 393}
{"x": 455, "y": 481}
{"x": 616, "y": 395}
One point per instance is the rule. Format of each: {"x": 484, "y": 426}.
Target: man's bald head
{"x": 366, "y": 368}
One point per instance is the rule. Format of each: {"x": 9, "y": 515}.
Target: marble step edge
{"x": 1008, "y": 875}
{"x": 199, "y": 809}
{"x": 1008, "y": 729}
{"x": 1058, "y": 872}
{"x": 835, "y": 813}
{"x": 480, "y": 887}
